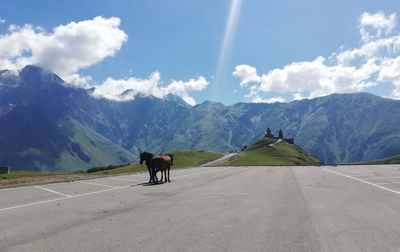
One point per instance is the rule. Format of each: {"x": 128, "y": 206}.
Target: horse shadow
{"x": 151, "y": 184}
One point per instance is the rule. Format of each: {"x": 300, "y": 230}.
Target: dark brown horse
{"x": 161, "y": 162}
{"x": 146, "y": 157}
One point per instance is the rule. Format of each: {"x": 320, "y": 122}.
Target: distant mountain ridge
{"x": 40, "y": 126}
{"x": 47, "y": 125}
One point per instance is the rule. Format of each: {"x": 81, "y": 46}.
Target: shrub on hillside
{"x": 104, "y": 168}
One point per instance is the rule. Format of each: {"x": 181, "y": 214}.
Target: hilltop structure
{"x": 271, "y": 150}
{"x": 269, "y": 134}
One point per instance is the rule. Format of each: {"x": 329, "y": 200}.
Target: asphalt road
{"x": 344, "y": 208}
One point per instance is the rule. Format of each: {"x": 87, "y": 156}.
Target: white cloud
{"x": 371, "y": 49}
{"x": 72, "y": 47}
{"x": 181, "y": 88}
{"x": 298, "y": 96}
{"x": 378, "y": 22}
{"x": 390, "y": 72}
{"x": 246, "y": 74}
{"x": 258, "y": 99}
{"x": 2, "y": 20}
{"x": 66, "y": 50}
{"x": 127, "y": 89}
{"x": 77, "y": 80}
{"x": 353, "y": 70}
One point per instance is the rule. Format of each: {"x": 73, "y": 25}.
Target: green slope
{"x": 182, "y": 159}
{"x": 268, "y": 151}
{"x": 88, "y": 149}
{"x": 80, "y": 149}
{"x": 389, "y": 160}
{"x": 191, "y": 158}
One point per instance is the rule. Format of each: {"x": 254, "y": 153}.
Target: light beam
{"x": 226, "y": 44}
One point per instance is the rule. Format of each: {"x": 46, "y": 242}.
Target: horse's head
{"x": 142, "y": 155}
{"x": 145, "y": 156}
{"x": 172, "y": 158}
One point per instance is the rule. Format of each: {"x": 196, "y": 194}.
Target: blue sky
{"x": 274, "y": 50}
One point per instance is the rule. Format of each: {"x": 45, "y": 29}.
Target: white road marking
{"x": 124, "y": 179}
{"x": 209, "y": 169}
{"x": 97, "y": 184}
{"x": 370, "y": 178}
{"x": 391, "y": 168}
{"x": 388, "y": 183}
{"x": 112, "y": 188}
{"x": 194, "y": 174}
{"x": 58, "y": 199}
{"x": 226, "y": 194}
{"x": 49, "y": 190}
{"x": 363, "y": 181}
{"x": 34, "y": 203}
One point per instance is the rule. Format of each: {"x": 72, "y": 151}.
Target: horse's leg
{"x": 154, "y": 171}
{"x": 165, "y": 174}
{"x": 155, "y": 179}
{"x": 150, "y": 174}
{"x": 161, "y": 176}
{"x": 168, "y": 174}
{"x": 155, "y": 175}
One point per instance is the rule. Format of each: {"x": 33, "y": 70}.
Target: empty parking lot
{"x": 342, "y": 208}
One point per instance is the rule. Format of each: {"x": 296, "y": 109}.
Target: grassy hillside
{"x": 22, "y": 174}
{"x": 182, "y": 159}
{"x": 389, "y": 160}
{"x": 90, "y": 149}
{"x": 267, "y": 151}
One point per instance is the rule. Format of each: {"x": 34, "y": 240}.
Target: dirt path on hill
{"x": 221, "y": 160}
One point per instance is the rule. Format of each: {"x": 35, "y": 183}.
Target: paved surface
{"x": 344, "y": 208}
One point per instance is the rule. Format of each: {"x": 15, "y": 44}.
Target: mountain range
{"x": 49, "y": 125}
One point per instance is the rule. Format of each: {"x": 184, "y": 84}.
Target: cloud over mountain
{"x": 127, "y": 89}
{"x": 376, "y": 61}
{"x": 78, "y": 45}
{"x": 66, "y": 50}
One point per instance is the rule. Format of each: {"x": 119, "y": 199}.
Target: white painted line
{"x": 363, "y": 181}
{"x": 14, "y": 188}
{"x": 124, "y": 179}
{"x": 58, "y": 199}
{"x": 46, "y": 189}
{"x": 86, "y": 194}
{"x": 194, "y": 174}
{"x": 105, "y": 190}
{"x": 388, "y": 183}
{"x": 34, "y": 203}
{"x": 391, "y": 168}
{"x": 97, "y": 184}
{"x": 383, "y": 178}
{"x": 225, "y": 194}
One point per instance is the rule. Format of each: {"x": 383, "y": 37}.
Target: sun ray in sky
{"x": 226, "y": 45}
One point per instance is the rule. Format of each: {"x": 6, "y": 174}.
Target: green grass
{"x": 191, "y": 158}
{"x": 182, "y": 159}
{"x": 260, "y": 153}
{"x": 132, "y": 168}
{"x": 389, "y": 160}
{"x": 21, "y": 174}
{"x": 100, "y": 150}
